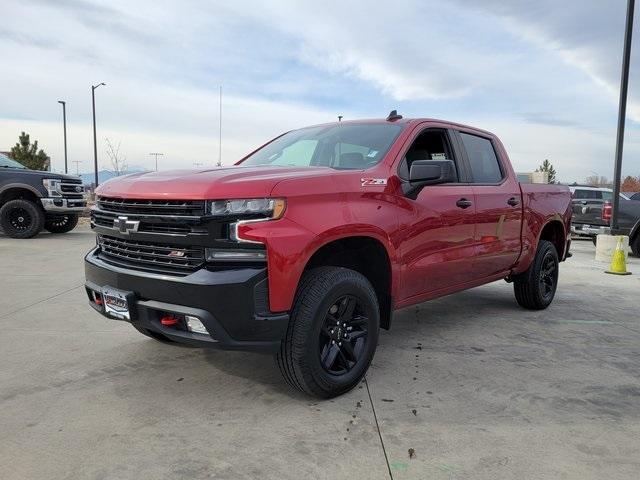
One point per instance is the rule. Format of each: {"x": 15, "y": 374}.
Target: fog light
{"x": 236, "y": 255}
{"x": 194, "y": 325}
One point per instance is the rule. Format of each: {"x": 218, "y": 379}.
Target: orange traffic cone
{"x": 619, "y": 260}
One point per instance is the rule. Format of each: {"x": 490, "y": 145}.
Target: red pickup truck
{"x": 307, "y": 246}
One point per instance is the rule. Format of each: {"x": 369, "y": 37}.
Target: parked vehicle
{"x": 307, "y": 246}
{"x": 31, "y": 200}
{"x": 592, "y": 211}
{"x": 634, "y": 196}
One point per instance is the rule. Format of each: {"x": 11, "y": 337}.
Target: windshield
{"x": 340, "y": 146}
{"x": 6, "y": 162}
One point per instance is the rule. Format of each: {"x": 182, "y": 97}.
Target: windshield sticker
{"x": 373, "y": 182}
{"x": 438, "y": 156}
{"x": 372, "y": 153}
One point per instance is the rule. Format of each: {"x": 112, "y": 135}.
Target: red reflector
{"x": 98, "y": 301}
{"x": 169, "y": 321}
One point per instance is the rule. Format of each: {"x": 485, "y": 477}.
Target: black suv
{"x": 31, "y": 200}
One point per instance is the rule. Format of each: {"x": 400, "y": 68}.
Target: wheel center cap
{"x": 21, "y": 219}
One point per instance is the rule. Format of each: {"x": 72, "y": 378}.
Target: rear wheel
{"x": 333, "y": 332}
{"x": 61, "y": 223}
{"x": 21, "y": 219}
{"x": 535, "y": 288}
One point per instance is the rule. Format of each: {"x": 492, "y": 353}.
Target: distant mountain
{"x": 103, "y": 176}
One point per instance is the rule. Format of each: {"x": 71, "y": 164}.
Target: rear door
{"x": 498, "y": 215}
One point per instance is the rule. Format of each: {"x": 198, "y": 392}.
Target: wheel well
{"x": 367, "y": 256}
{"x": 554, "y": 233}
{"x": 18, "y": 193}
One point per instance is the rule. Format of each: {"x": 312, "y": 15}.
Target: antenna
{"x": 393, "y": 116}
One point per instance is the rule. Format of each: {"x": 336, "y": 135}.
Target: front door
{"x": 438, "y": 247}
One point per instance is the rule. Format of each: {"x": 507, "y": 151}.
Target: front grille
{"x": 150, "y": 256}
{"x": 185, "y": 208}
{"x": 69, "y": 189}
{"x": 147, "y": 225}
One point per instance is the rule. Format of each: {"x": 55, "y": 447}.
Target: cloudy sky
{"x": 543, "y": 75}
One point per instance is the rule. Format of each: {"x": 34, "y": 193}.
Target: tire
{"x": 21, "y": 219}
{"x": 155, "y": 335}
{"x": 61, "y": 223}
{"x": 535, "y": 288}
{"x": 635, "y": 245}
{"x": 323, "y": 358}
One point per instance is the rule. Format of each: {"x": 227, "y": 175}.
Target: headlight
{"x": 53, "y": 186}
{"x": 270, "y": 208}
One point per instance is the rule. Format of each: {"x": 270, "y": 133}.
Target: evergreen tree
{"x": 548, "y": 167}
{"x": 28, "y": 155}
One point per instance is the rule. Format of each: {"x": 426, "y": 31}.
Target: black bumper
{"x": 231, "y": 303}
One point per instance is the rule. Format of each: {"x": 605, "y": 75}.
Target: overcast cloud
{"x": 543, "y": 75}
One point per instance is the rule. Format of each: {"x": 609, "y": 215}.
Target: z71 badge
{"x": 373, "y": 182}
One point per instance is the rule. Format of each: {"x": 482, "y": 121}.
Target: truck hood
{"x": 211, "y": 184}
{"x": 39, "y": 174}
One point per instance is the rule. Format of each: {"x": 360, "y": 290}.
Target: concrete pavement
{"x": 465, "y": 387}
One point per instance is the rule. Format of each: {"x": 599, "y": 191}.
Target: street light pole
{"x": 622, "y": 111}
{"x": 95, "y": 142}
{"x": 64, "y": 126}
{"x": 156, "y": 154}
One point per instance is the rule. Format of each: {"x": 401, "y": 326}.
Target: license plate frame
{"x": 117, "y": 303}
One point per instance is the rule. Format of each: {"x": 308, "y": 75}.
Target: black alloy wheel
{"x": 332, "y": 333}
{"x": 343, "y": 335}
{"x": 61, "y": 223}
{"x": 536, "y": 287}
{"x": 548, "y": 276}
{"x": 21, "y": 218}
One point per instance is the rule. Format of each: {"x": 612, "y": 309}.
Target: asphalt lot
{"x": 474, "y": 386}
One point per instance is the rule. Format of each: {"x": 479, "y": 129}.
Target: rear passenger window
{"x": 482, "y": 159}
{"x": 588, "y": 195}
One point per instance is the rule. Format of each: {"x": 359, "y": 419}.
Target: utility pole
{"x": 95, "y": 142}
{"x": 77, "y": 162}
{"x": 220, "y": 132}
{"x": 64, "y": 126}
{"x": 622, "y": 112}
{"x": 156, "y": 154}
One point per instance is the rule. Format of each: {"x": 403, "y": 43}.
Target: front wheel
{"x": 332, "y": 334}
{"x": 21, "y": 219}
{"x": 61, "y": 223}
{"x": 535, "y": 288}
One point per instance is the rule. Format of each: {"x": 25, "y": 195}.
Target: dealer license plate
{"x": 116, "y": 304}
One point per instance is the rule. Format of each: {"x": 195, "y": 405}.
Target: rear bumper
{"x": 231, "y": 303}
{"x": 589, "y": 230}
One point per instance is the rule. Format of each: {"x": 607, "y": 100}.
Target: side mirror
{"x": 428, "y": 172}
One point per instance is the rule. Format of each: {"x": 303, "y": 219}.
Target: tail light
{"x": 607, "y": 211}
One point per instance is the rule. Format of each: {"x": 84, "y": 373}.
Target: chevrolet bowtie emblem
{"x": 126, "y": 226}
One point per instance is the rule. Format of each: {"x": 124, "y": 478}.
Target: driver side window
{"x": 431, "y": 144}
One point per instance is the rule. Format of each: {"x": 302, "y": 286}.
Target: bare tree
{"x": 598, "y": 181}
{"x": 118, "y": 160}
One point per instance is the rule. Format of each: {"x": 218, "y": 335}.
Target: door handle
{"x": 513, "y": 201}
{"x": 464, "y": 203}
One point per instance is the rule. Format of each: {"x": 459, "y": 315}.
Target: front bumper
{"x": 231, "y": 303}
{"x": 63, "y": 205}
